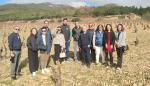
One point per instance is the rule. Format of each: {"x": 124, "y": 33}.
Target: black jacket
{"x": 32, "y": 43}
{"x": 84, "y": 39}
{"x": 91, "y": 33}
{"x": 14, "y": 42}
{"x": 112, "y": 38}
{"x": 66, "y": 31}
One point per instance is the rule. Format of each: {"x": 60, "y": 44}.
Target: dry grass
{"x": 136, "y": 62}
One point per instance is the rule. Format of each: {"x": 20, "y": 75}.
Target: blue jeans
{"x": 67, "y": 50}
{"x": 76, "y": 50}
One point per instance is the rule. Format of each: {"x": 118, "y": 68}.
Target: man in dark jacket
{"x": 15, "y": 44}
{"x": 65, "y": 28}
{"x": 84, "y": 44}
{"x": 91, "y": 33}
{"x": 76, "y": 33}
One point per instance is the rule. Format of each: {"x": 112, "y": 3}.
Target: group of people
{"x": 89, "y": 45}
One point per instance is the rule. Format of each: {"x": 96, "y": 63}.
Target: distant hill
{"x": 34, "y": 11}
{"x": 47, "y": 10}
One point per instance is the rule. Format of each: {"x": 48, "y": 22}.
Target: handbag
{"x": 62, "y": 54}
{"x": 125, "y": 48}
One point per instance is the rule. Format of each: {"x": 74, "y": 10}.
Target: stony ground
{"x": 135, "y": 71}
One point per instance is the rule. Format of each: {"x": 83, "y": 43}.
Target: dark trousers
{"x": 119, "y": 56}
{"x": 85, "y": 53}
{"x": 109, "y": 58}
{"x": 33, "y": 61}
{"x": 15, "y": 63}
{"x": 57, "y": 49}
{"x": 92, "y": 54}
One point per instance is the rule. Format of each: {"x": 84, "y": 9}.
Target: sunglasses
{"x": 43, "y": 30}
{"x": 17, "y": 29}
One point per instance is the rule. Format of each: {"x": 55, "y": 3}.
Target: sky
{"x": 78, "y": 3}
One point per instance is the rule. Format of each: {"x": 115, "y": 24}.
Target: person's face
{"x": 65, "y": 22}
{"x": 108, "y": 27}
{"x": 44, "y": 31}
{"x": 16, "y": 29}
{"x": 100, "y": 28}
{"x": 76, "y": 24}
{"x": 119, "y": 28}
{"x": 84, "y": 29}
{"x": 34, "y": 32}
{"x": 46, "y": 24}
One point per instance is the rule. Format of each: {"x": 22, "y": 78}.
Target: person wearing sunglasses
{"x": 14, "y": 44}
{"x": 47, "y": 30}
{"x": 44, "y": 43}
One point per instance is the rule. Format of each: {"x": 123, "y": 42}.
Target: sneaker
{"x": 43, "y": 71}
{"x": 19, "y": 74}
{"x": 75, "y": 60}
{"x": 107, "y": 67}
{"x": 67, "y": 61}
{"x": 62, "y": 62}
{"x": 97, "y": 63}
{"x": 118, "y": 68}
{"x": 46, "y": 70}
{"x": 13, "y": 78}
{"x": 88, "y": 65}
{"x": 34, "y": 74}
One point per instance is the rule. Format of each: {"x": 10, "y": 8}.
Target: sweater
{"x": 59, "y": 39}
{"x": 121, "y": 40}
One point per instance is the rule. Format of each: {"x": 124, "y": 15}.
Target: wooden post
{"x": 56, "y": 75}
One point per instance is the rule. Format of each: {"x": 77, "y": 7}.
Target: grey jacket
{"x": 121, "y": 40}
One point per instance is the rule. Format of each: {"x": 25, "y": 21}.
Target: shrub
{"x": 77, "y": 19}
{"x": 146, "y": 16}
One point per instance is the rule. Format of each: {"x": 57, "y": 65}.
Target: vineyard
{"x": 136, "y": 61}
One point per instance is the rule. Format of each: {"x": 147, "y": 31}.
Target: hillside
{"x": 33, "y": 11}
{"x": 13, "y": 12}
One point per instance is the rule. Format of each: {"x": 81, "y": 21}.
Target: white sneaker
{"x": 43, "y": 71}
{"x": 34, "y": 74}
{"x": 118, "y": 68}
{"x": 46, "y": 70}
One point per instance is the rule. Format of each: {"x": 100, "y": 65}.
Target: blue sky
{"x": 78, "y": 3}
{"x": 3, "y": 1}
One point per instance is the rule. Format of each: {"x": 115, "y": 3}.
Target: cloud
{"x": 77, "y": 3}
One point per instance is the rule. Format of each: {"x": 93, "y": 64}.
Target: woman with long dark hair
{"x": 109, "y": 41}
{"x": 120, "y": 44}
{"x": 33, "y": 51}
{"x": 98, "y": 43}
